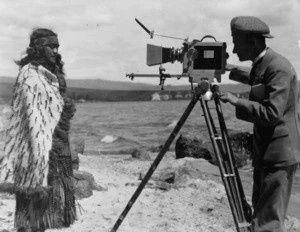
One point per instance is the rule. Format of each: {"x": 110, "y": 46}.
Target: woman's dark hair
{"x": 35, "y": 56}
{"x": 35, "y": 53}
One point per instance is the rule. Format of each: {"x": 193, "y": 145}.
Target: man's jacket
{"x": 273, "y": 109}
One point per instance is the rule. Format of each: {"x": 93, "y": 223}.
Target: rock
{"x": 187, "y": 146}
{"x": 75, "y": 160}
{"x": 82, "y": 175}
{"x": 183, "y": 173}
{"x": 84, "y": 183}
{"x": 77, "y": 147}
{"x": 140, "y": 154}
{"x": 241, "y": 144}
{"x": 167, "y": 176}
{"x": 155, "y": 148}
{"x": 83, "y": 189}
{"x": 208, "y": 207}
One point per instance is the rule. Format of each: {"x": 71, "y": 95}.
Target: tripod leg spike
{"x": 156, "y": 162}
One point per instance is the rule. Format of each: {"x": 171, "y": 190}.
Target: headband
{"x": 46, "y": 40}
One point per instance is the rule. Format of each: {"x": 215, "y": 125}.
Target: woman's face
{"x": 51, "y": 51}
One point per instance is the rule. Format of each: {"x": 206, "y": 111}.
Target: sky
{"x": 100, "y": 39}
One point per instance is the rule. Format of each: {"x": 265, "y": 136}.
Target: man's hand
{"x": 228, "y": 97}
{"x": 239, "y": 73}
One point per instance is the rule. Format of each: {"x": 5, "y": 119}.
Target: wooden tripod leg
{"x": 247, "y": 210}
{"x": 227, "y": 168}
{"x": 155, "y": 163}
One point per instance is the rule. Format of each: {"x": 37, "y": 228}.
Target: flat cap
{"x": 250, "y": 25}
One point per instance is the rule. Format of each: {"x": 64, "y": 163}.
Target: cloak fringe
{"x": 38, "y": 192}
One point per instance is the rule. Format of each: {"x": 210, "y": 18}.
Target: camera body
{"x": 201, "y": 60}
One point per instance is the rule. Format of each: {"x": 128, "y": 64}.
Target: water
{"x": 119, "y": 127}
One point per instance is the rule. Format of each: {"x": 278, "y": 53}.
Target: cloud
{"x": 101, "y": 39}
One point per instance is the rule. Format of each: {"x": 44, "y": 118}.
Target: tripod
{"x": 240, "y": 209}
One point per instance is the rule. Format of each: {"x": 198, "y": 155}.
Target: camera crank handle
{"x": 162, "y": 81}
{"x": 130, "y": 75}
{"x": 162, "y": 76}
{"x": 216, "y": 91}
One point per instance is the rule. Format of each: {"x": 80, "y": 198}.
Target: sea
{"x": 120, "y": 127}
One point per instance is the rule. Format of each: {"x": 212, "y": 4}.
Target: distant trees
{"x": 134, "y": 95}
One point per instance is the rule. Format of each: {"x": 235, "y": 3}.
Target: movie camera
{"x": 201, "y": 61}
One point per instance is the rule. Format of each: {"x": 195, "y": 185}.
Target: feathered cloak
{"x": 36, "y": 109}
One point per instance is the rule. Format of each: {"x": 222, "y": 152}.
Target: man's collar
{"x": 261, "y": 55}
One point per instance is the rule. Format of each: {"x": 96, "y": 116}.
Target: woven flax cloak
{"x": 36, "y": 109}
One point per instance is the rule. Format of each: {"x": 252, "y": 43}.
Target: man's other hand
{"x": 228, "y": 97}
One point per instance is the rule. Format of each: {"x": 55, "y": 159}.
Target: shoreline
{"x": 194, "y": 204}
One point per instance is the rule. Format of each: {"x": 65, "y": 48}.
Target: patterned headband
{"x": 46, "y": 40}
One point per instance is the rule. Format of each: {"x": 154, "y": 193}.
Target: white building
{"x": 155, "y": 97}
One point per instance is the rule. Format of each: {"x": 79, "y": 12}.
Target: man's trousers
{"x": 271, "y": 194}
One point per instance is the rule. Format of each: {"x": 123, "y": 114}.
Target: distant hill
{"x": 6, "y": 92}
{"x": 101, "y": 90}
{"x": 4, "y": 79}
{"x": 128, "y": 86}
{"x": 108, "y": 85}
{"x": 101, "y": 84}
{"x": 118, "y": 85}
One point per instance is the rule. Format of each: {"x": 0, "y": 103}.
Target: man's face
{"x": 51, "y": 51}
{"x": 242, "y": 47}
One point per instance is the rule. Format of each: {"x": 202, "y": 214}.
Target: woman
{"x": 36, "y": 164}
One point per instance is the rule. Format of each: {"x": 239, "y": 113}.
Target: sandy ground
{"x": 192, "y": 205}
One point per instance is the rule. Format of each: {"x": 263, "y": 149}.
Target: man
{"x": 273, "y": 109}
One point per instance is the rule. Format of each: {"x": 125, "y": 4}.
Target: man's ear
{"x": 252, "y": 40}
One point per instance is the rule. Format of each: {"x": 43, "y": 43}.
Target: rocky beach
{"x": 184, "y": 193}
{"x": 194, "y": 201}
